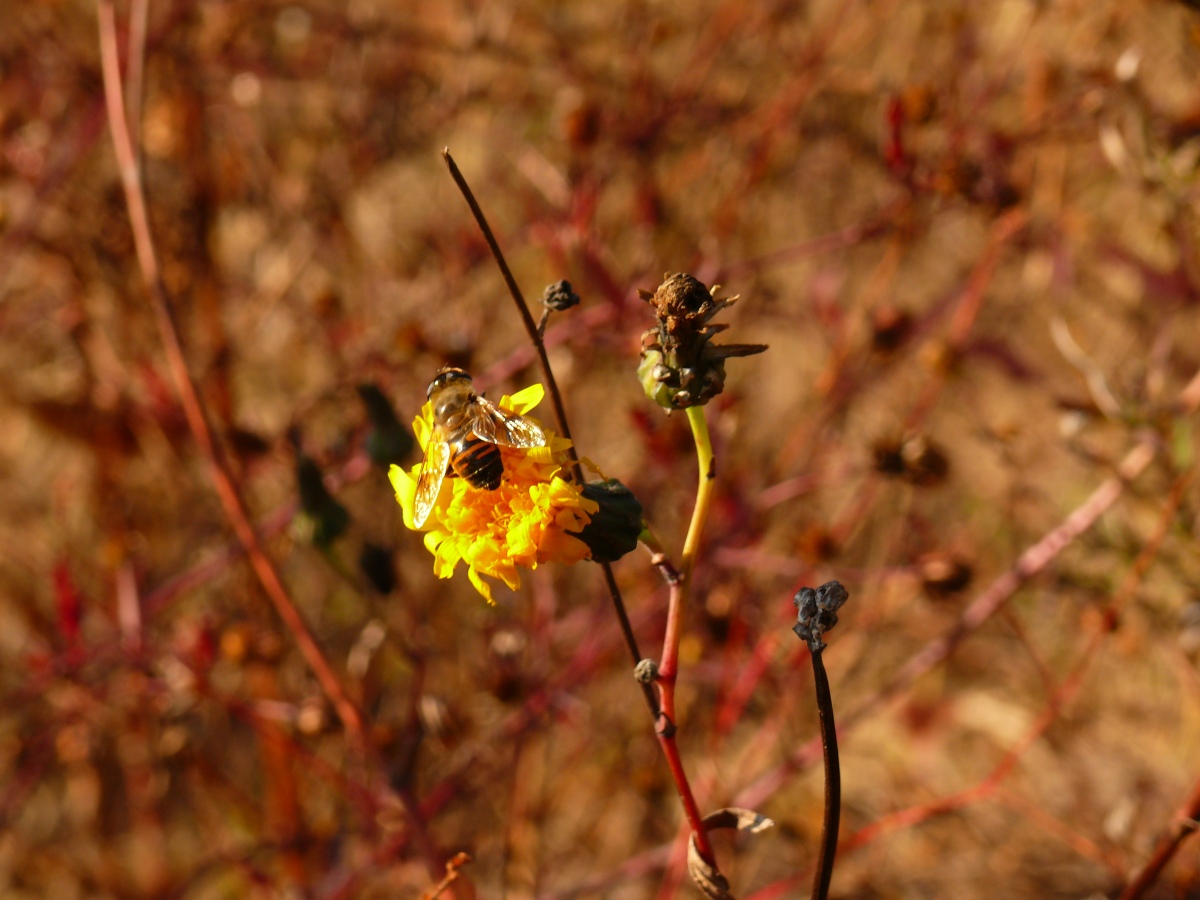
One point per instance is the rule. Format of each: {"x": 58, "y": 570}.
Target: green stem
{"x": 691, "y": 545}
{"x": 704, "y": 490}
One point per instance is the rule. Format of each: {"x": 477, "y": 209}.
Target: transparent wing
{"x": 507, "y": 429}
{"x": 429, "y": 482}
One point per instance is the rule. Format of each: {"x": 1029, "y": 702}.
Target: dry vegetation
{"x": 969, "y": 232}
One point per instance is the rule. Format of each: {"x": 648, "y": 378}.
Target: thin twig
{"x": 1070, "y": 687}
{"x": 452, "y": 867}
{"x": 1183, "y": 826}
{"x": 227, "y": 490}
{"x": 139, "y": 11}
{"x": 560, "y": 414}
{"x": 531, "y": 327}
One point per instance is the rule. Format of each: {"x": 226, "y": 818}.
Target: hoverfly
{"x": 468, "y": 432}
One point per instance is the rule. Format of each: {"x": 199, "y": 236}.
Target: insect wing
{"x": 429, "y": 482}
{"x": 508, "y": 429}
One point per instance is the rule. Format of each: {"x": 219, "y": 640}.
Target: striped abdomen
{"x": 477, "y": 461}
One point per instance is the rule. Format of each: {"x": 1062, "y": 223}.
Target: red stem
{"x": 1181, "y": 828}
{"x": 665, "y": 726}
{"x": 231, "y": 499}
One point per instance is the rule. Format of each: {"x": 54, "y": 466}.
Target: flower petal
{"x": 524, "y": 400}
{"x": 480, "y": 585}
{"x": 405, "y": 486}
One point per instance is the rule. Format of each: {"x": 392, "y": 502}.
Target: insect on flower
{"x": 468, "y": 432}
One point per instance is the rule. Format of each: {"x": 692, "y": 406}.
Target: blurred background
{"x": 968, "y": 232}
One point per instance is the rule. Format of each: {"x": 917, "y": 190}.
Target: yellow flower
{"x": 531, "y": 518}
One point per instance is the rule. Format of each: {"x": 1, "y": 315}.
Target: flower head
{"x": 533, "y": 517}
{"x": 681, "y": 366}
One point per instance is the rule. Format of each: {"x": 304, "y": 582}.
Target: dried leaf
{"x": 710, "y": 881}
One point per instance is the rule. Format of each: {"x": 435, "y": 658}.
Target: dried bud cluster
{"x": 559, "y": 296}
{"x": 680, "y": 366}
{"x": 816, "y": 612}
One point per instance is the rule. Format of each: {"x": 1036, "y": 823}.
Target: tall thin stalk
{"x": 227, "y": 489}
{"x": 816, "y": 613}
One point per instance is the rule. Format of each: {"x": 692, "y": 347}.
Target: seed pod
{"x": 680, "y": 365}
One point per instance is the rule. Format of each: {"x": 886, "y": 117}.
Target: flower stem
{"x": 680, "y": 586}
{"x": 691, "y": 545}
{"x": 663, "y": 712}
{"x": 704, "y": 490}
{"x": 531, "y": 327}
{"x": 833, "y": 781}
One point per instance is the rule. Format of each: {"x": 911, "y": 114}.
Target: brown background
{"x": 912, "y": 198}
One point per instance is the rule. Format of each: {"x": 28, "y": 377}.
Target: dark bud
{"x": 376, "y": 563}
{"x": 327, "y": 517}
{"x": 559, "y": 296}
{"x": 246, "y": 444}
{"x": 816, "y": 612}
{"x": 614, "y": 528}
{"x": 389, "y": 442}
{"x": 646, "y": 671}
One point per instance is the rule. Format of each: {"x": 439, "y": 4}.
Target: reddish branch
{"x": 1182, "y": 826}
{"x": 227, "y": 490}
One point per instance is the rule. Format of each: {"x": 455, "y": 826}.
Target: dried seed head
{"x": 680, "y": 365}
{"x": 559, "y": 296}
{"x": 816, "y": 612}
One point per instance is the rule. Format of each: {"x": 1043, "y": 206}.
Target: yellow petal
{"x": 558, "y": 546}
{"x": 480, "y": 585}
{"x": 523, "y": 400}
{"x": 405, "y": 486}
{"x": 423, "y": 425}
{"x": 446, "y": 559}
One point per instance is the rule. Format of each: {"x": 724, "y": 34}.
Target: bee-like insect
{"x": 468, "y": 432}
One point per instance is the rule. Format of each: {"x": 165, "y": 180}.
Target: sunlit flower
{"x": 534, "y": 516}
